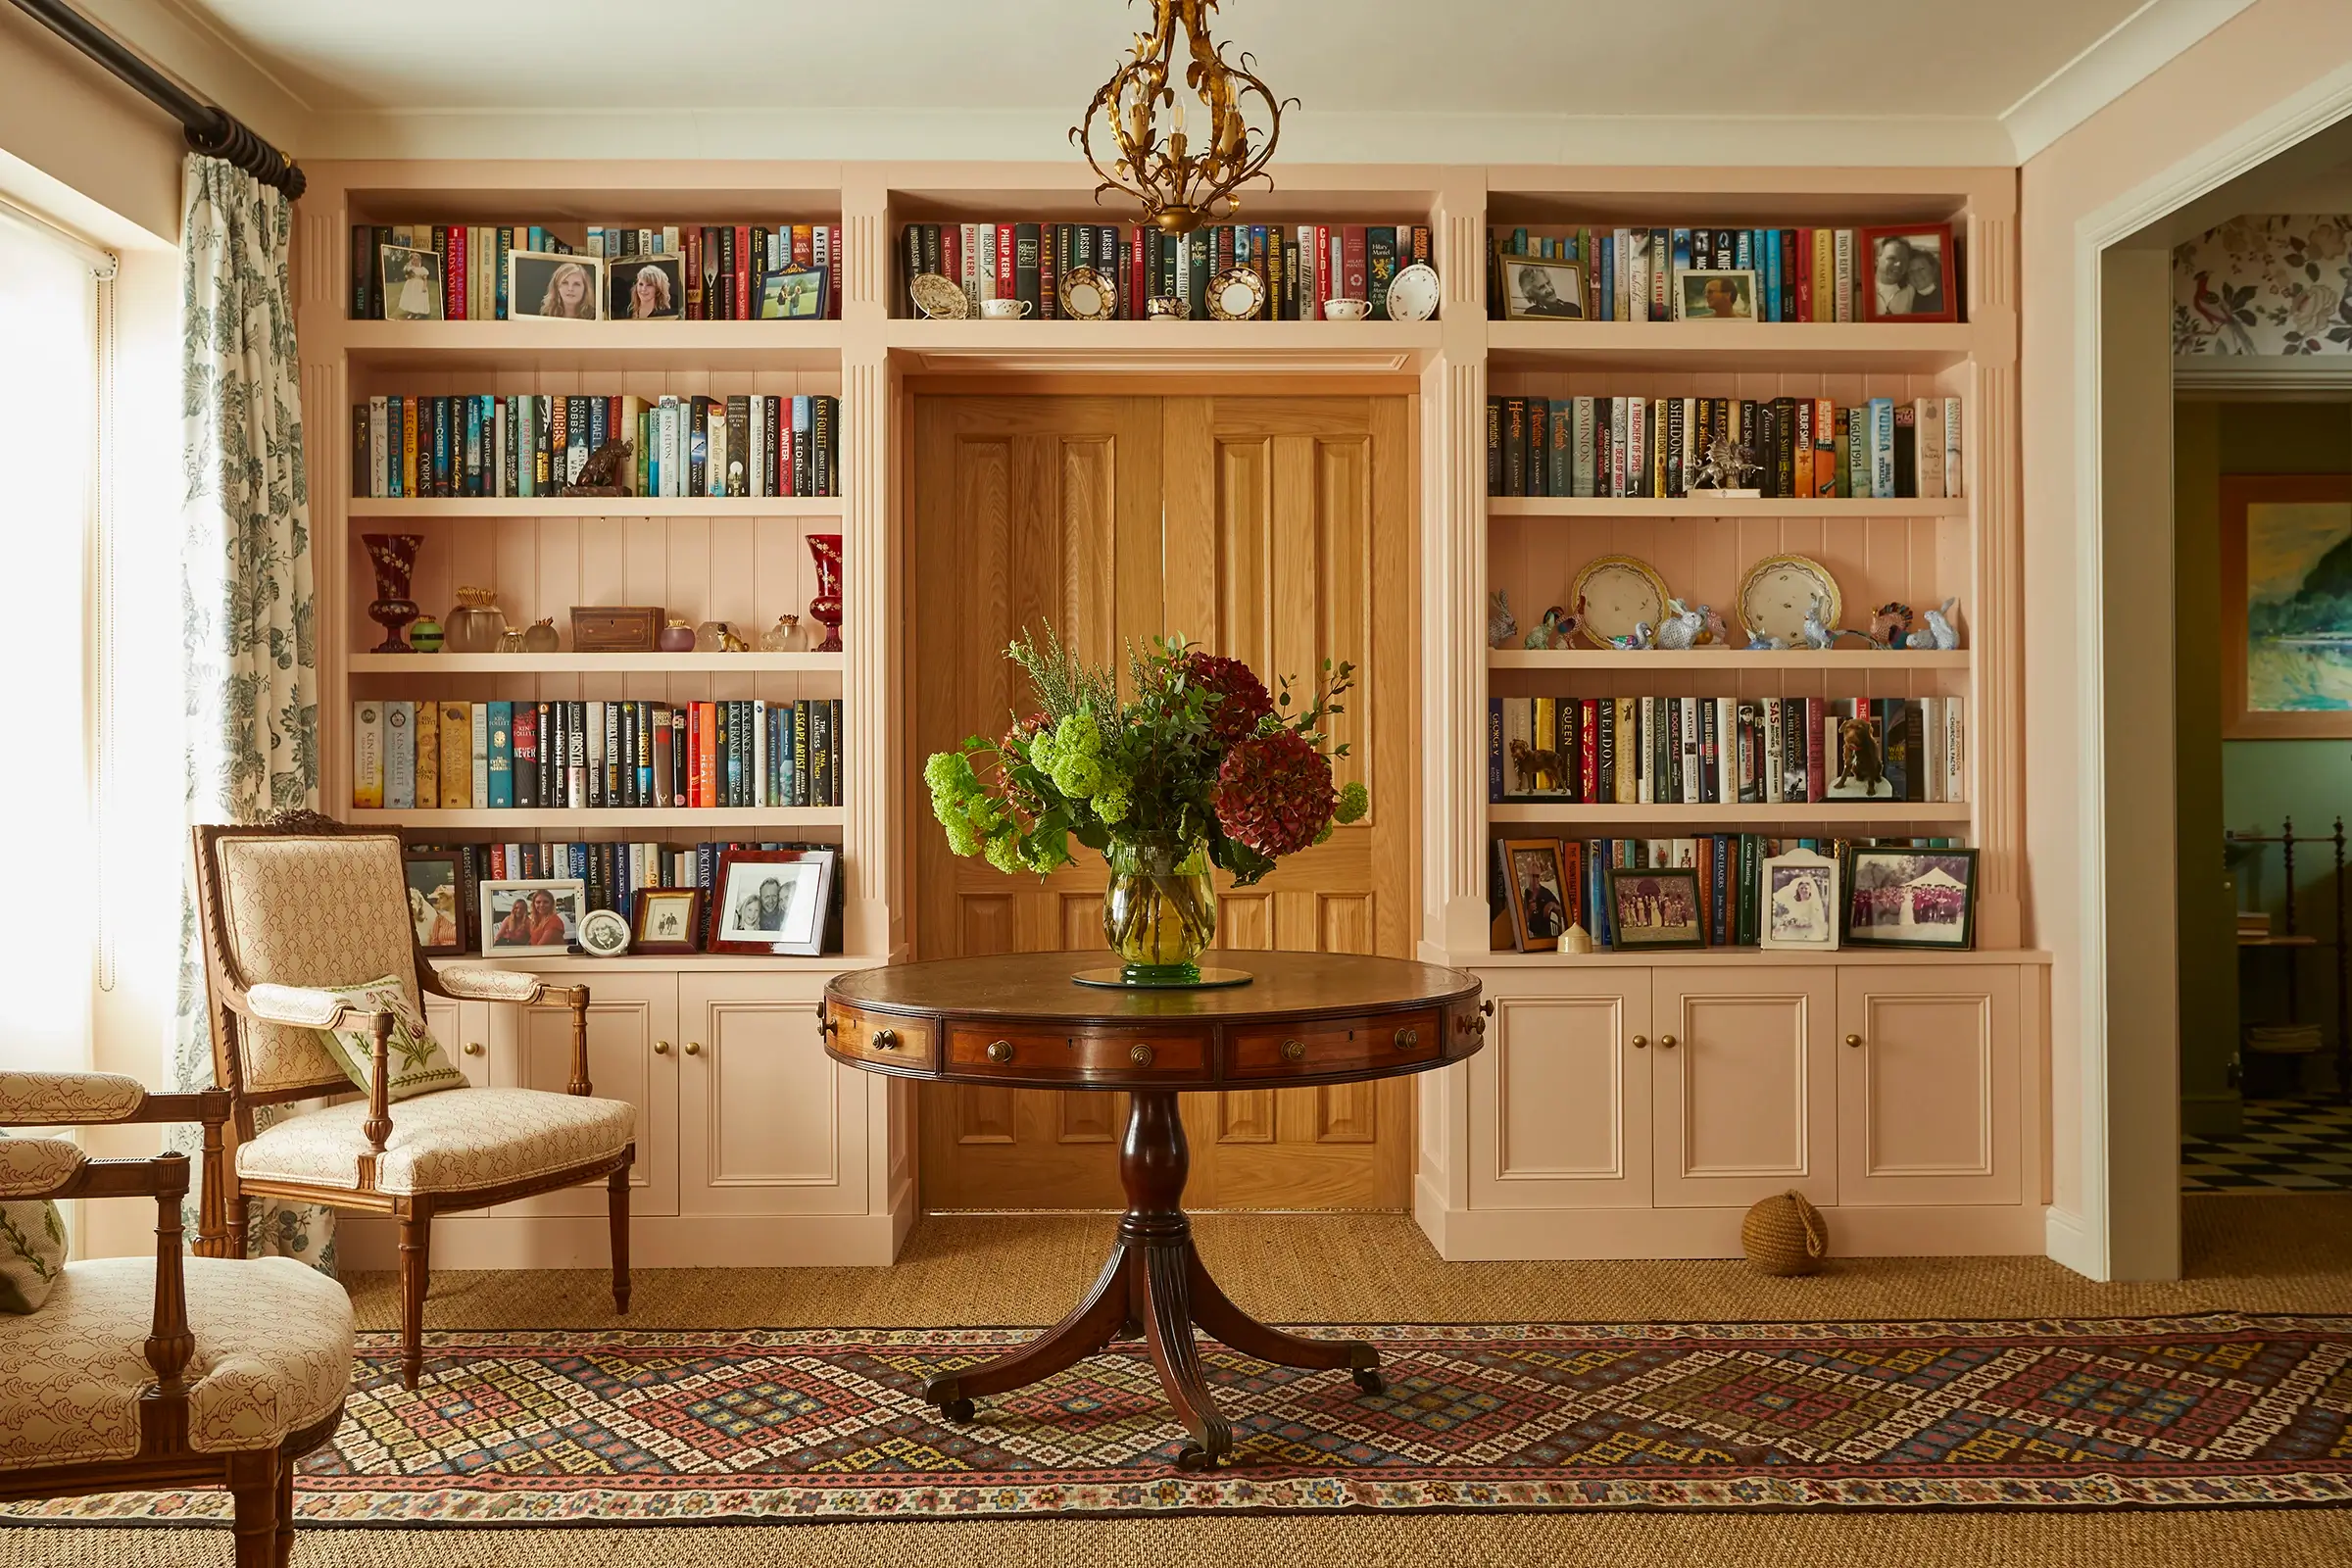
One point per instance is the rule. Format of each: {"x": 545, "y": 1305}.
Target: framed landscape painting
{"x": 2286, "y": 607}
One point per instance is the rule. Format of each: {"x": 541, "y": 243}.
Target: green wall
{"x": 2250, "y": 786}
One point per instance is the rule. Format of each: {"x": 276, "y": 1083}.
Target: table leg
{"x": 1154, "y": 1281}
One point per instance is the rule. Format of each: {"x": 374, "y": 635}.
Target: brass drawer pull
{"x": 1294, "y": 1050}
{"x": 1640, "y": 1042}
{"x": 999, "y": 1051}
{"x": 885, "y": 1040}
{"x": 1668, "y": 1042}
{"x": 1854, "y": 1041}
{"x": 1408, "y": 1039}
{"x": 474, "y": 1047}
{"x": 693, "y": 1047}
{"x": 825, "y": 1023}
{"x": 661, "y": 1048}
{"x": 1140, "y": 1053}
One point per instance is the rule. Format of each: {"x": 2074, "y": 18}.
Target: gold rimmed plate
{"x": 939, "y": 298}
{"x": 1236, "y": 294}
{"x": 1778, "y": 592}
{"x": 1088, "y": 296}
{"x": 1616, "y": 593}
{"x": 1413, "y": 293}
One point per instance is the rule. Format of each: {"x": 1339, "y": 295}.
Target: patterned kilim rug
{"x": 658, "y": 1428}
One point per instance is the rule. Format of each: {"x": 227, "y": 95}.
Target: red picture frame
{"x": 1932, "y": 239}
{"x": 803, "y": 899}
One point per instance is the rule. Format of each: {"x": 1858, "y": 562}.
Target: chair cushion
{"x": 32, "y": 1233}
{"x": 452, "y": 1141}
{"x": 412, "y": 1055}
{"x": 273, "y": 1354}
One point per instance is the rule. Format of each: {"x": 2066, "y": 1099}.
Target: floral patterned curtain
{"x": 247, "y": 628}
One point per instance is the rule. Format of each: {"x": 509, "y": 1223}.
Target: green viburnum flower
{"x": 1112, "y": 804}
{"x": 1041, "y": 751}
{"x": 1355, "y": 802}
{"x": 1005, "y": 853}
{"x": 1324, "y": 837}
{"x": 951, "y": 773}
{"x": 1077, "y": 777}
{"x": 961, "y": 839}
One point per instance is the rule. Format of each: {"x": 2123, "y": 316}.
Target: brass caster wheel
{"x": 1369, "y": 1380}
{"x": 1193, "y": 1457}
{"x": 955, "y": 1409}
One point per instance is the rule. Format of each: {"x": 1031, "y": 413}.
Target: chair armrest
{"x": 69, "y": 1099}
{"x": 165, "y": 1178}
{"x": 471, "y": 984}
{"x": 38, "y": 1167}
{"x": 296, "y": 1006}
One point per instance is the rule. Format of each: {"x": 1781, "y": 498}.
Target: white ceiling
{"x": 1491, "y": 80}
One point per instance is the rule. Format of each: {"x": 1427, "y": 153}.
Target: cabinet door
{"x": 1928, "y": 1070}
{"x": 462, "y": 1030}
{"x": 1745, "y": 1070}
{"x": 1560, "y": 1096}
{"x": 767, "y": 1123}
{"x": 632, "y": 1055}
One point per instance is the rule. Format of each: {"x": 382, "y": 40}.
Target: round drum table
{"x": 1019, "y": 1020}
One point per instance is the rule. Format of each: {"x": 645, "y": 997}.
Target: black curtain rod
{"x": 211, "y": 130}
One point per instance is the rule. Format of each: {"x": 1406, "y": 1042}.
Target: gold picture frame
{"x": 1579, "y": 595}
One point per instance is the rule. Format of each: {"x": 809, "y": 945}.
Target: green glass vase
{"x": 1161, "y": 912}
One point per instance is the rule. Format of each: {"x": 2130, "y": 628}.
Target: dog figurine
{"x": 1529, "y": 763}
{"x": 1858, "y": 759}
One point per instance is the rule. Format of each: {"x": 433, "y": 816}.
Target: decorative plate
{"x": 939, "y": 298}
{"x": 1414, "y": 292}
{"x": 1777, "y": 593}
{"x": 603, "y": 934}
{"x": 1088, "y": 296}
{"x": 1236, "y": 294}
{"x": 1617, "y": 592}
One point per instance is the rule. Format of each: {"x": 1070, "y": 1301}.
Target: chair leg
{"x": 416, "y": 1277}
{"x": 285, "y": 1512}
{"x": 252, "y": 1489}
{"x": 618, "y": 1188}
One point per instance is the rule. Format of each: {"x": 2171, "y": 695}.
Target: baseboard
{"x": 1600, "y": 1233}
{"x": 701, "y": 1241}
{"x": 2067, "y": 1240}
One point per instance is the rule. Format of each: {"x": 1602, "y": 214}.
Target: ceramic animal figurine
{"x": 1717, "y": 633}
{"x": 1557, "y": 629}
{"x": 1500, "y": 623}
{"x": 1761, "y": 643}
{"x": 1938, "y": 633}
{"x": 1529, "y": 763}
{"x": 1681, "y": 628}
{"x": 1817, "y": 636}
{"x": 1890, "y": 624}
{"x": 1636, "y": 641}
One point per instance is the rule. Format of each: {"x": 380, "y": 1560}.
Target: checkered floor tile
{"x": 2285, "y": 1146}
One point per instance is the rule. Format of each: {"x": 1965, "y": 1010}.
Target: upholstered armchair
{"x": 137, "y": 1375}
{"x": 296, "y": 908}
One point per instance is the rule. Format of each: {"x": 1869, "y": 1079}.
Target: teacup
{"x": 1165, "y": 308}
{"x": 1005, "y": 310}
{"x": 1347, "y": 309}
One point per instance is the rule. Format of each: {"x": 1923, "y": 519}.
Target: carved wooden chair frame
{"x": 234, "y": 1006}
{"x": 260, "y": 1480}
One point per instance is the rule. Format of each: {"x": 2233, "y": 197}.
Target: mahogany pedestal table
{"x": 1019, "y": 1020}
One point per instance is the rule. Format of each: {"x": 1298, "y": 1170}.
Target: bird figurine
{"x": 1635, "y": 642}
{"x": 1557, "y": 629}
{"x": 1765, "y": 642}
{"x": 1500, "y": 623}
{"x": 1680, "y": 627}
{"x": 1890, "y": 624}
{"x": 1817, "y": 636}
{"x": 1938, "y": 633}
{"x": 1716, "y": 631}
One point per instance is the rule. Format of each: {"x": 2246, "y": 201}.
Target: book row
{"x": 721, "y": 267}
{"x": 1725, "y": 751}
{"x": 445, "y": 880}
{"x": 1298, "y": 267}
{"x": 1907, "y": 273}
{"x": 569, "y": 754}
{"x": 539, "y": 445}
{"x": 1884, "y": 449}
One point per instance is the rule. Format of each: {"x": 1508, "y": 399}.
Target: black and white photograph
{"x": 1910, "y": 273}
{"x": 1703, "y": 295}
{"x": 1897, "y": 898}
{"x": 791, "y": 294}
{"x": 1800, "y": 903}
{"x": 540, "y": 917}
{"x": 772, "y": 901}
{"x": 647, "y": 288}
{"x": 669, "y": 920}
{"x": 545, "y": 283}
{"x": 411, "y": 280}
{"x": 1541, "y": 291}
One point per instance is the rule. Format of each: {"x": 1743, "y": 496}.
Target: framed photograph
{"x": 773, "y": 902}
{"x": 1912, "y": 277}
{"x": 437, "y": 900}
{"x": 1542, "y": 893}
{"x": 1704, "y": 295}
{"x": 646, "y": 288}
{"x": 1800, "y": 903}
{"x": 1656, "y": 908}
{"x": 1858, "y": 760}
{"x": 669, "y": 920}
{"x": 411, "y": 280}
{"x": 544, "y": 283}
{"x": 538, "y": 919}
{"x": 1897, "y": 898}
{"x": 791, "y": 294}
{"x": 1536, "y": 290}
{"x": 2286, "y": 654}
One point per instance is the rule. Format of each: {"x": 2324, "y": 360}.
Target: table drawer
{"x": 881, "y": 1037}
{"x": 1330, "y": 1045}
{"x": 1041, "y": 1054}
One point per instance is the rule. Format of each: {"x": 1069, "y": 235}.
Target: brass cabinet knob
{"x": 693, "y": 1047}
{"x": 1140, "y": 1053}
{"x": 884, "y": 1039}
{"x": 1408, "y": 1039}
{"x": 1667, "y": 1042}
{"x": 1854, "y": 1041}
{"x": 825, "y": 1025}
{"x": 999, "y": 1051}
{"x": 474, "y": 1047}
{"x": 1640, "y": 1042}
{"x": 1294, "y": 1050}
{"x": 1487, "y": 1006}
{"x": 661, "y": 1048}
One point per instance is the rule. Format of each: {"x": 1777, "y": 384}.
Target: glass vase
{"x": 1159, "y": 913}
{"x": 475, "y": 625}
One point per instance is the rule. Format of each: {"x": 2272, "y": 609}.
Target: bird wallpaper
{"x": 2275, "y": 284}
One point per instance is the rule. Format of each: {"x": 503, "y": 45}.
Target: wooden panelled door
{"x": 1275, "y": 530}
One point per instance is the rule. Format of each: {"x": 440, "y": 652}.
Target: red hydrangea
{"x": 1242, "y": 699}
{"x": 1274, "y": 792}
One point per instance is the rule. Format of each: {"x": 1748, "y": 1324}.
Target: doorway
{"x": 1274, "y": 529}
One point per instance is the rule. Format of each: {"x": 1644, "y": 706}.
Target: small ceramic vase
{"x": 511, "y": 641}
{"x": 424, "y": 635}
{"x": 784, "y": 637}
{"x": 676, "y": 638}
{"x": 542, "y": 637}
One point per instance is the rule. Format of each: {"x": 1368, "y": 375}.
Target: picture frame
{"x": 539, "y": 279}
{"x": 1892, "y": 283}
{"x": 645, "y": 288}
{"x": 1801, "y": 913}
{"x": 1896, "y": 897}
{"x": 771, "y": 903}
{"x": 603, "y": 934}
{"x": 792, "y": 294}
{"x": 1541, "y": 289}
{"x": 1655, "y": 909}
{"x": 2282, "y": 677}
{"x": 437, "y": 906}
{"x": 1542, "y": 892}
{"x": 541, "y": 929}
{"x": 410, "y": 276}
{"x": 668, "y": 920}
{"x": 1715, "y": 294}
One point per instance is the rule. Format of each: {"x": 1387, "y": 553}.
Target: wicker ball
{"x": 1785, "y": 1235}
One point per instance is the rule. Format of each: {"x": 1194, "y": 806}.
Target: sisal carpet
{"x": 2276, "y": 1256}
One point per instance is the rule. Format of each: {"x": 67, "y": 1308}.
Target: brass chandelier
{"x": 1183, "y": 184}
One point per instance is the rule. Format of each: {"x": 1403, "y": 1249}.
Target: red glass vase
{"x": 826, "y": 608}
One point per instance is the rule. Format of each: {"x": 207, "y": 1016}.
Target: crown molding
{"x": 2261, "y": 377}
{"x": 2132, "y": 51}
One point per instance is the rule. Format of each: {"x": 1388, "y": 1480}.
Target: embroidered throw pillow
{"x": 32, "y": 1252}
{"x": 414, "y": 1058}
